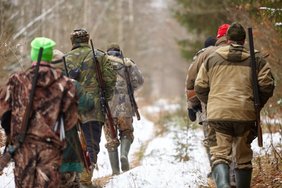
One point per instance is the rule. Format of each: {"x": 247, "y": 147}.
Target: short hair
{"x": 236, "y": 32}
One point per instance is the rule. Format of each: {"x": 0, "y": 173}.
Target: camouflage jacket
{"x": 54, "y": 93}
{"x": 81, "y": 67}
{"x": 224, "y": 83}
{"x": 120, "y": 104}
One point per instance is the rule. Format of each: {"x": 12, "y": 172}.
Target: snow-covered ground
{"x": 159, "y": 166}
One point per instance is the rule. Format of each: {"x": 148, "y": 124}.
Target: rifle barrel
{"x": 130, "y": 90}
{"x": 255, "y": 86}
{"x": 104, "y": 102}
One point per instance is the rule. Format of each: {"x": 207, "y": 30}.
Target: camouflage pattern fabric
{"x": 37, "y": 164}
{"x": 46, "y": 103}
{"x": 41, "y": 153}
{"x": 120, "y": 104}
{"x": 125, "y": 128}
{"x": 69, "y": 180}
{"x": 81, "y": 68}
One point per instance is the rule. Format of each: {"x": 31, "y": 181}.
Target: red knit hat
{"x": 222, "y": 30}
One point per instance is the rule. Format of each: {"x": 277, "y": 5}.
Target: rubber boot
{"x": 243, "y": 178}
{"x": 86, "y": 177}
{"x": 220, "y": 175}
{"x": 124, "y": 149}
{"x": 113, "y": 156}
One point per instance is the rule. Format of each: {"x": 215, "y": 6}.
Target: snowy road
{"x": 160, "y": 167}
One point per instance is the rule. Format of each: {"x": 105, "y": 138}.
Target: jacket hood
{"x": 233, "y": 53}
{"x": 220, "y": 41}
{"x": 47, "y": 75}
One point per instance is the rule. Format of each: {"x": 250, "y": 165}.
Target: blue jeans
{"x": 92, "y": 132}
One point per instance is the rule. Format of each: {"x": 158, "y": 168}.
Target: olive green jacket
{"x": 224, "y": 83}
{"x": 81, "y": 67}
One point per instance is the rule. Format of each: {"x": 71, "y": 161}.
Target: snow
{"x": 160, "y": 166}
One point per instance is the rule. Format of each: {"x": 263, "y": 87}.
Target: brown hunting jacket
{"x": 49, "y": 100}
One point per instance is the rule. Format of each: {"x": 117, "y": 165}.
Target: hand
{"x": 192, "y": 114}
{"x": 197, "y": 108}
{"x": 74, "y": 73}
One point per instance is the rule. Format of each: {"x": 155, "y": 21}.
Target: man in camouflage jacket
{"x": 38, "y": 159}
{"x": 73, "y": 156}
{"x": 82, "y": 68}
{"x": 224, "y": 83}
{"x": 121, "y": 108}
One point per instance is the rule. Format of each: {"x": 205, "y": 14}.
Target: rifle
{"x": 255, "y": 87}
{"x": 103, "y": 100}
{"x": 84, "y": 155}
{"x": 65, "y": 66}
{"x": 6, "y": 157}
{"x": 130, "y": 89}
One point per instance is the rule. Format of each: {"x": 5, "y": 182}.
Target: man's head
{"x": 210, "y": 41}
{"x": 222, "y": 30}
{"x": 236, "y": 33}
{"x": 79, "y": 36}
{"x": 47, "y": 45}
{"x": 114, "y": 50}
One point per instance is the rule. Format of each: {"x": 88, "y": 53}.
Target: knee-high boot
{"x": 243, "y": 178}
{"x": 113, "y": 156}
{"x": 124, "y": 149}
{"x": 220, "y": 173}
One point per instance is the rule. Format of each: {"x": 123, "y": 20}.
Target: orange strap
{"x": 190, "y": 93}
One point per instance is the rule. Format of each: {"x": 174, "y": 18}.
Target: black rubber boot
{"x": 124, "y": 149}
{"x": 113, "y": 156}
{"x": 220, "y": 174}
{"x": 243, "y": 178}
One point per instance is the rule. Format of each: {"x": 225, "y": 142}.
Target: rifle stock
{"x": 103, "y": 100}
{"x": 255, "y": 87}
{"x": 130, "y": 90}
{"x": 84, "y": 155}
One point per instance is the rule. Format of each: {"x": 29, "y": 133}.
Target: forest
{"x": 161, "y": 36}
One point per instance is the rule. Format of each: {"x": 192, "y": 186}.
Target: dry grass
{"x": 267, "y": 172}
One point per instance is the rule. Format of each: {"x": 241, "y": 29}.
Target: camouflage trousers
{"x": 233, "y": 142}
{"x": 37, "y": 164}
{"x": 209, "y": 138}
{"x": 124, "y": 126}
{"x": 69, "y": 180}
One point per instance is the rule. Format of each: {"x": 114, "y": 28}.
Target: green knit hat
{"x": 46, "y": 44}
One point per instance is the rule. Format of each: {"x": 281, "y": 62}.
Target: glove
{"x": 193, "y": 111}
{"x": 192, "y": 114}
{"x": 197, "y": 108}
{"x": 74, "y": 73}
